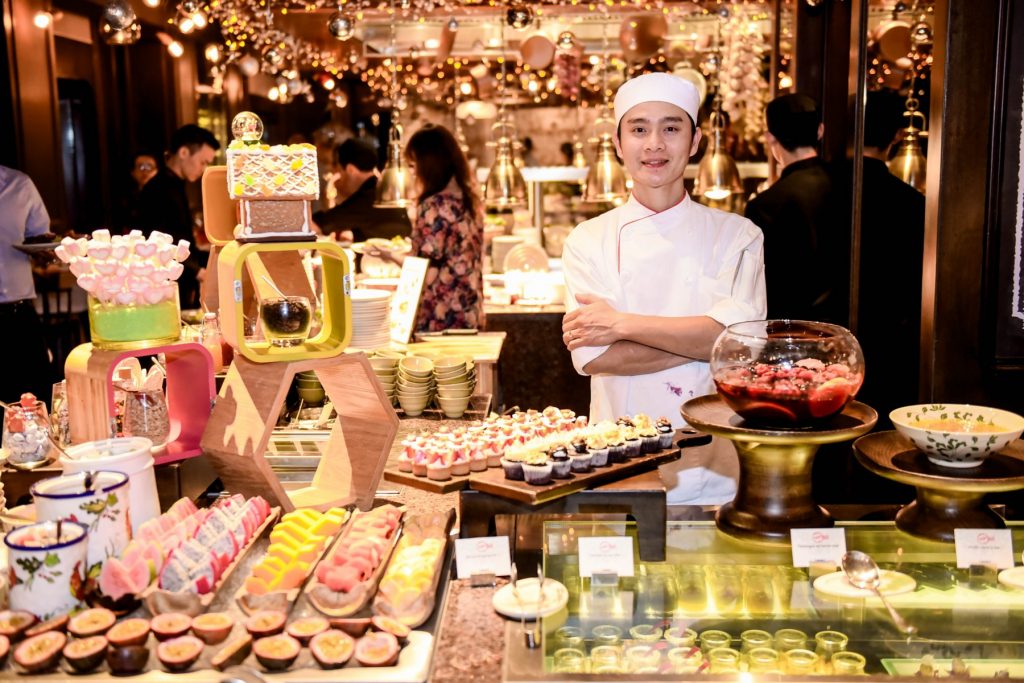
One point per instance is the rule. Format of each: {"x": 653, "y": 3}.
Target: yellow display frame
{"x": 237, "y": 259}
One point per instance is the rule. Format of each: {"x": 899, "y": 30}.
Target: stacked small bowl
{"x": 309, "y": 388}
{"x": 415, "y": 386}
{"x": 456, "y": 378}
{"x": 386, "y": 369}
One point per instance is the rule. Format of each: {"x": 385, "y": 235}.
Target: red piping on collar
{"x": 618, "y": 237}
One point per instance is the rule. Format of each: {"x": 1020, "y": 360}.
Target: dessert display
{"x": 130, "y": 279}
{"x": 787, "y": 373}
{"x": 407, "y": 589}
{"x": 297, "y": 543}
{"x": 348, "y": 576}
{"x": 286, "y": 320}
{"x": 957, "y": 435}
{"x": 26, "y": 434}
{"x": 273, "y": 183}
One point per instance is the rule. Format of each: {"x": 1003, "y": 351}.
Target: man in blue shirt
{"x": 22, "y": 343}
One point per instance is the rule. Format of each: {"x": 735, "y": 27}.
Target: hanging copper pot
{"x": 893, "y": 39}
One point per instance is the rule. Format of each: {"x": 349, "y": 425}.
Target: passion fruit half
{"x": 127, "y": 661}
{"x": 5, "y": 647}
{"x": 170, "y": 625}
{"x": 14, "y": 623}
{"x": 91, "y": 622}
{"x": 179, "y": 654}
{"x": 212, "y": 628}
{"x": 332, "y": 649}
{"x": 56, "y": 624}
{"x": 355, "y": 627}
{"x": 392, "y": 626}
{"x": 129, "y": 632}
{"x": 40, "y": 653}
{"x": 276, "y": 653}
{"x": 265, "y": 623}
{"x": 304, "y": 629}
{"x": 85, "y": 654}
{"x": 233, "y": 653}
{"x": 377, "y": 649}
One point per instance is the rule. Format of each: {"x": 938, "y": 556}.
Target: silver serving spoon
{"x": 862, "y": 572}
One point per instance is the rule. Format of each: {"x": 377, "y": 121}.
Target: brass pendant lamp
{"x": 910, "y": 165}
{"x": 505, "y": 187}
{"x": 395, "y": 188}
{"x": 717, "y": 175}
{"x": 606, "y": 180}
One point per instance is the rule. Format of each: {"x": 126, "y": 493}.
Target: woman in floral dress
{"x": 448, "y": 231}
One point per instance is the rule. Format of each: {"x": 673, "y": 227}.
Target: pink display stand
{"x": 190, "y": 394}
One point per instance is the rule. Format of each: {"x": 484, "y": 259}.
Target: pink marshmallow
{"x": 78, "y": 266}
{"x": 182, "y": 252}
{"x": 170, "y": 291}
{"x": 153, "y": 296}
{"x": 164, "y": 254}
{"x": 98, "y": 249}
{"x": 138, "y": 284}
{"x": 174, "y": 271}
{"x": 161, "y": 237}
{"x": 141, "y": 268}
{"x": 71, "y": 246}
{"x": 105, "y": 267}
{"x": 125, "y": 298}
{"x": 119, "y": 251}
{"x": 61, "y": 253}
{"x": 145, "y": 249}
{"x": 134, "y": 235}
{"x": 102, "y": 235}
{"x": 88, "y": 282}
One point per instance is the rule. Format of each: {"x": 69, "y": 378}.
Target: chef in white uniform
{"x": 653, "y": 282}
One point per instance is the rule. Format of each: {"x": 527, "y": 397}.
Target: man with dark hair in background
{"x": 163, "y": 202}
{"x": 355, "y": 218}
{"x": 806, "y": 250}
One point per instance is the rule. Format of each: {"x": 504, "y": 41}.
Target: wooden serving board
{"x": 419, "y": 529}
{"x": 324, "y": 599}
{"x": 159, "y": 601}
{"x": 284, "y": 601}
{"x": 453, "y": 483}
{"x": 493, "y": 481}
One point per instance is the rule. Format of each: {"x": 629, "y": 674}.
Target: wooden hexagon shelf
{"x": 247, "y": 408}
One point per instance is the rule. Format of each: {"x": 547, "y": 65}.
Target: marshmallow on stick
{"x": 125, "y": 269}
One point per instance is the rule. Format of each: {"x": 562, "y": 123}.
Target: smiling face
{"x": 655, "y": 141}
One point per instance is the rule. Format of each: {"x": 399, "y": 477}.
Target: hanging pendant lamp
{"x": 395, "y": 188}
{"x": 606, "y": 180}
{"x": 717, "y": 175}
{"x": 910, "y": 164}
{"x": 505, "y": 187}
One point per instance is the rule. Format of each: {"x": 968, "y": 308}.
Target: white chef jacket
{"x": 688, "y": 260}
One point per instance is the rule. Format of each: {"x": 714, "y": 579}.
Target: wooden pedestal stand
{"x": 190, "y": 390}
{"x": 250, "y": 401}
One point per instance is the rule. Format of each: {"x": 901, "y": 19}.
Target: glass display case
{"x": 719, "y": 605}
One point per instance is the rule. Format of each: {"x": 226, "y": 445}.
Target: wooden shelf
{"x": 247, "y": 409}
{"x": 281, "y": 264}
{"x": 190, "y": 392}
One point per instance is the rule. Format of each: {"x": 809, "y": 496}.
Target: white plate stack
{"x": 371, "y": 310}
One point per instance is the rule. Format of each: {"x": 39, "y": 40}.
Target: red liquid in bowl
{"x": 788, "y": 395}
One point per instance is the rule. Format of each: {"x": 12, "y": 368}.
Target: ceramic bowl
{"x": 458, "y": 379}
{"x": 385, "y": 364}
{"x": 310, "y": 395}
{"x": 416, "y": 366}
{"x": 957, "y": 434}
{"x": 453, "y": 407}
{"x": 446, "y": 363}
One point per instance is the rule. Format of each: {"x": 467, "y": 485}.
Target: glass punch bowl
{"x": 787, "y": 374}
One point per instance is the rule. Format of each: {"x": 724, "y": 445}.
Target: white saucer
{"x": 837, "y": 585}
{"x": 1013, "y": 577}
{"x": 555, "y": 598}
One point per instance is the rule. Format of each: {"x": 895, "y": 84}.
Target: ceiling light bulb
{"x": 328, "y": 83}
{"x": 212, "y": 53}
{"x": 151, "y": 3}
{"x": 175, "y": 48}
{"x": 42, "y": 19}
{"x": 272, "y": 94}
{"x": 199, "y": 20}
{"x": 466, "y": 88}
{"x": 431, "y": 43}
{"x": 186, "y": 25}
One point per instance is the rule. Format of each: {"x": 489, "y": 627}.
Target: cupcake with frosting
{"x": 580, "y": 462}
{"x": 632, "y": 440}
{"x": 477, "y": 455}
{"x": 419, "y": 463}
{"x": 536, "y": 468}
{"x": 440, "y": 469}
{"x": 512, "y": 463}
{"x": 665, "y": 432}
{"x": 598, "y": 448}
{"x": 649, "y": 438}
{"x": 460, "y": 461}
{"x": 616, "y": 444}
{"x": 558, "y": 455}
{"x": 493, "y": 449}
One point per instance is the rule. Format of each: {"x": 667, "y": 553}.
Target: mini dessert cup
{"x": 286, "y": 320}
{"x": 607, "y": 635}
{"x": 645, "y": 633}
{"x": 537, "y": 474}
{"x": 679, "y": 636}
{"x": 439, "y": 471}
{"x": 617, "y": 452}
{"x": 633, "y": 447}
{"x": 599, "y": 457}
{"x": 513, "y": 469}
{"x": 685, "y": 660}
{"x": 649, "y": 443}
{"x": 460, "y": 467}
{"x": 478, "y": 463}
{"x": 723, "y": 660}
{"x": 580, "y": 462}
{"x": 665, "y": 433}
{"x": 713, "y": 639}
{"x": 560, "y": 466}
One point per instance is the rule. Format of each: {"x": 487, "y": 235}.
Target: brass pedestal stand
{"x": 947, "y": 498}
{"x": 774, "y": 489}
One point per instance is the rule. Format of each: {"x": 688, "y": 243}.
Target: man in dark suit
{"x": 355, "y": 218}
{"x": 806, "y": 252}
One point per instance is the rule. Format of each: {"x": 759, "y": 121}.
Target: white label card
{"x": 487, "y": 554}
{"x": 818, "y": 545}
{"x": 606, "y": 554}
{"x": 983, "y": 546}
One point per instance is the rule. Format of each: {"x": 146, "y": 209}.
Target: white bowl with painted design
{"x": 957, "y": 434}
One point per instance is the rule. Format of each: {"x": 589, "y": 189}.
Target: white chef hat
{"x": 657, "y": 87}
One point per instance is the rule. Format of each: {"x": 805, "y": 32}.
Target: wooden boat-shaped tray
{"x": 284, "y": 601}
{"x": 415, "y": 530}
{"x": 159, "y": 600}
{"x": 337, "y": 604}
